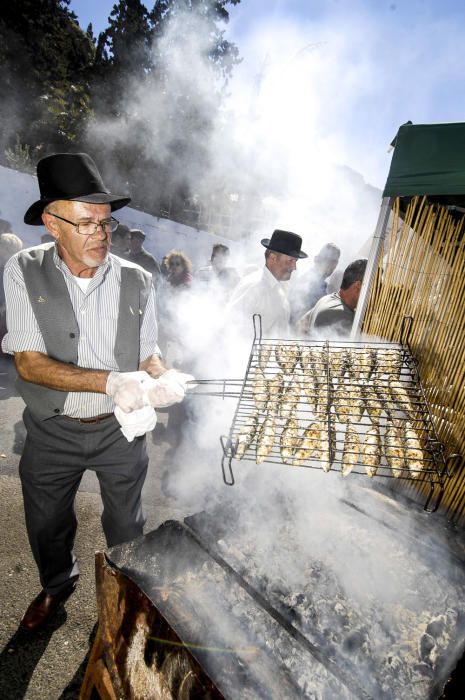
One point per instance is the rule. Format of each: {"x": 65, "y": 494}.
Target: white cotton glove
{"x": 137, "y": 422}
{"x": 127, "y": 389}
{"x": 168, "y": 389}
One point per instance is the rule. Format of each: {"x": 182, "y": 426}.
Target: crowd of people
{"x": 92, "y": 321}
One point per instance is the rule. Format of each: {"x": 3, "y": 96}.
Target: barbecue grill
{"x": 356, "y": 407}
{"x": 196, "y": 610}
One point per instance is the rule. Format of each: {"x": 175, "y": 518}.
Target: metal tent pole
{"x": 378, "y": 241}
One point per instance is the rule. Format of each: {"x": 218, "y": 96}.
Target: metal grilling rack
{"x": 351, "y": 407}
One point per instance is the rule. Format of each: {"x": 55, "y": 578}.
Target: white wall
{"x": 19, "y": 190}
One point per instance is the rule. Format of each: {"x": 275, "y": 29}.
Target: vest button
{"x": 72, "y": 335}
{"x": 56, "y": 410}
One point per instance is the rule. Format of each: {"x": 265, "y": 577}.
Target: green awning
{"x": 429, "y": 159}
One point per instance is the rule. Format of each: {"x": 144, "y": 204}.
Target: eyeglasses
{"x": 89, "y": 228}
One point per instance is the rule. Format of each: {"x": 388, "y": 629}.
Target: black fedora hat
{"x": 285, "y": 242}
{"x": 70, "y": 176}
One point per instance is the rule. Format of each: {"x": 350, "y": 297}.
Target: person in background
{"x": 179, "y": 269}
{"x": 311, "y": 285}
{"x": 175, "y": 290}
{"x": 83, "y": 331}
{"x": 9, "y": 245}
{"x": 119, "y": 244}
{"x": 336, "y": 311}
{"x": 265, "y": 291}
{"x": 142, "y": 257}
{"x": 218, "y": 271}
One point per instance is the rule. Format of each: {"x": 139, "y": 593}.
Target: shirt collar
{"x": 272, "y": 281}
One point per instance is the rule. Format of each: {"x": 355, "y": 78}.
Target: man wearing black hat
{"x": 264, "y": 292}
{"x": 140, "y": 256}
{"x": 82, "y": 329}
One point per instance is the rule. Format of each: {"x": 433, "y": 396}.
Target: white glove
{"x": 168, "y": 389}
{"x": 136, "y": 423}
{"x": 127, "y": 389}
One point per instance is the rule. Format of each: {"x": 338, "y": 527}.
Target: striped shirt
{"x": 96, "y": 311}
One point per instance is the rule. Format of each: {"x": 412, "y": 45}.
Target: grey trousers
{"x": 56, "y": 453}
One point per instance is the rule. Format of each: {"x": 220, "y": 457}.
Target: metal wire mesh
{"x": 351, "y": 407}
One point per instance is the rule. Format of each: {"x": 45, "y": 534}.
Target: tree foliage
{"x": 45, "y": 60}
{"x": 142, "y": 97}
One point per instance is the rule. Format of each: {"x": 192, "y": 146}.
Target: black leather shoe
{"x": 43, "y": 607}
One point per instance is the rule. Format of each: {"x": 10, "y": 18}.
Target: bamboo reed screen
{"x": 421, "y": 273}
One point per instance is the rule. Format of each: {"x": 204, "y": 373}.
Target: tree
{"x": 160, "y": 79}
{"x": 45, "y": 59}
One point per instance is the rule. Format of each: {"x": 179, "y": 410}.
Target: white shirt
{"x": 261, "y": 293}
{"x": 96, "y": 312}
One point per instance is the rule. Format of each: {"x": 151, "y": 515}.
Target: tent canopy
{"x": 429, "y": 159}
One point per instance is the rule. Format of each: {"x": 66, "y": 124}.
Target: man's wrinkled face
{"x": 79, "y": 252}
{"x": 281, "y": 266}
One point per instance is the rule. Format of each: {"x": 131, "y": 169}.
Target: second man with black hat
{"x": 264, "y": 292}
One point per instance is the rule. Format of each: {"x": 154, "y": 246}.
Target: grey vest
{"x": 59, "y": 327}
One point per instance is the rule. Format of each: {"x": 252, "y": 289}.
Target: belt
{"x": 94, "y": 419}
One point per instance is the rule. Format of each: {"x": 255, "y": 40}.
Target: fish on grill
{"x": 290, "y": 397}
{"x": 327, "y": 440}
{"x": 364, "y": 361}
{"x": 394, "y": 449}
{"x": 342, "y": 402}
{"x": 310, "y": 388}
{"x": 309, "y": 444}
{"x": 351, "y": 449}
{"x": 265, "y": 439}
{"x": 414, "y": 456}
{"x": 348, "y": 401}
{"x": 287, "y": 357}
{"x": 260, "y": 389}
{"x": 401, "y": 397}
{"x": 323, "y": 395}
{"x": 373, "y": 405}
{"x": 312, "y": 358}
{"x": 264, "y": 355}
{"x": 246, "y": 434}
{"x": 389, "y": 361}
{"x": 289, "y": 439}
{"x": 275, "y": 388}
{"x": 371, "y": 450}
{"x": 338, "y": 362}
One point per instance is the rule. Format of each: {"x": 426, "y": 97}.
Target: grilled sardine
{"x": 394, "y": 449}
{"x": 414, "y": 456}
{"x": 290, "y": 397}
{"x": 401, "y": 397}
{"x": 371, "y": 451}
{"x": 325, "y": 446}
{"x": 264, "y": 355}
{"x": 260, "y": 390}
{"x": 275, "y": 388}
{"x": 373, "y": 404}
{"x": 389, "y": 361}
{"x": 246, "y": 434}
{"x": 287, "y": 357}
{"x": 289, "y": 439}
{"x": 265, "y": 439}
{"x": 351, "y": 450}
{"x": 309, "y": 443}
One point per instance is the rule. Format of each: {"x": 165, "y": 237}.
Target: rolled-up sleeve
{"x": 23, "y": 333}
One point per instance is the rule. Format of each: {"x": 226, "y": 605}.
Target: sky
{"x": 361, "y": 69}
